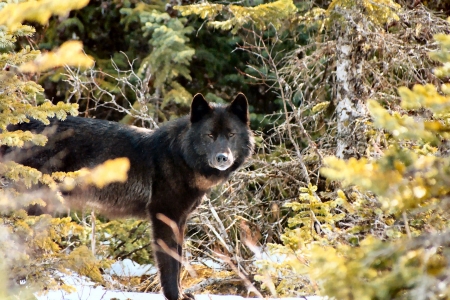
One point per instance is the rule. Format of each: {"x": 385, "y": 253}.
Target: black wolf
{"x": 171, "y": 168}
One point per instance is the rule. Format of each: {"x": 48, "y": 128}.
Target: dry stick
{"x": 208, "y": 282}
{"x": 297, "y": 149}
{"x": 283, "y": 97}
{"x": 405, "y": 220}
{"x": 223, "y": 237}
{"x": 175, "y": 255}
{"x": 140, "y": 91}
{"x": 93, "y": 232}
{"x": 286, "y": 174}
{"x": 218, "y": 236}
{"x": 173, "y": 225}
{"x": 250, "y": 287}
{"x": 179, "y": 239}
{"x": 219, "y": 221}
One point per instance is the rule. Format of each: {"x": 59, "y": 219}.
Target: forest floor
{"x": 125, "y": 273}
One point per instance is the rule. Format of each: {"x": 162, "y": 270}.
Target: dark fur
{"x": 172, "y": 168}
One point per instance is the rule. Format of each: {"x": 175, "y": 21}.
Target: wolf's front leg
{"x": 168, "y": 239}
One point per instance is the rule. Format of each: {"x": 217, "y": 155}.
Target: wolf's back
{"x": 76, "y": 143}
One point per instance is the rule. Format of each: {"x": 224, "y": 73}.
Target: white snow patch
{"x": 86, "y": 289}
{"x": 74, "y": 279}
{"x": 98, "y": 294}
{"x": 129, "y": 268}
{"x": 273, "y": 257}
{"x": 346, "y": 49}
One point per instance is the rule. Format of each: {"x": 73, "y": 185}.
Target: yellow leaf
{"x": 112, "y": 170}
{"x": 70, "y": 54}
{"x": 13, "y": 14}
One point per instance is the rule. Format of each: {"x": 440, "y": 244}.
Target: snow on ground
{"x": 89, "y": 293}
{"x": 96, "y": 294}
{"x": 129, "y": 268}
{"x": 87, "y": 290}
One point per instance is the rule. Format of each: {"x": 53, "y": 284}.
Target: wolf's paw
{"x": 186, "y": 296}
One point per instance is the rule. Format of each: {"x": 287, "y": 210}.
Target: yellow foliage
{"x": 29, "y": 247}
{"x": 203, "y": 10}
{"x": 425, "y": 96}
{"x": 15, "y": 171}
{"x": 13, "y": 14}
{"x": 442, "y": 55}
{"x": 274, "y": 13}
{"x": 20, "y": 112}
{"x": 401, "y": 198}
{"x": 375, "y": 270}
{"x": 320, "y": 107}
{"x": 361, "y": 173}
{"x": 70, "y": 54}
{"x": 19, "y": 99}
{"x": 414, "y": 180}
{"x": 82, "y": 261}
{"x": 113, "y": 170}
{"x": 378, "y": 11}
{"x": 18, "y": 138}
{"x": 8, "y": 36}
{"x": 290, "y": 272}
{"x": 410, "y": 179}
{"x": 403, "y": 126}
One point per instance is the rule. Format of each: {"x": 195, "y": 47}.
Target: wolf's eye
{"x": 211, "y": 135}
{"x": 230, "y": 134}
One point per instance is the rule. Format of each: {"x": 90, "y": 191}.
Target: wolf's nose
{"x": 221, "y": 157}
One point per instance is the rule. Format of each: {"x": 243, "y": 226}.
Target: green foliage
{"x": 274, "y": 13}
{"x": 143, "y": 57}
{"x": 138, "y": 73}
{"x": 170, "y": 56}
{"x": 120, "y": 239}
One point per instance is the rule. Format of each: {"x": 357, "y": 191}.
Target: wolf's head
{"x": 221, "y": 136}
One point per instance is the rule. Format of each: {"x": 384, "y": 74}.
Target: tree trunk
{"x": 351, "y": 94}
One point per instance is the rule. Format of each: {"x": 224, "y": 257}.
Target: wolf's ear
{"x": 199, "y": 108}
{"x": 239, "y": 107}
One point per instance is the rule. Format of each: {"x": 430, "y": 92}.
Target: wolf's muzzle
{"x": 221, "y": 158}
{"x": 222, "y": 161}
